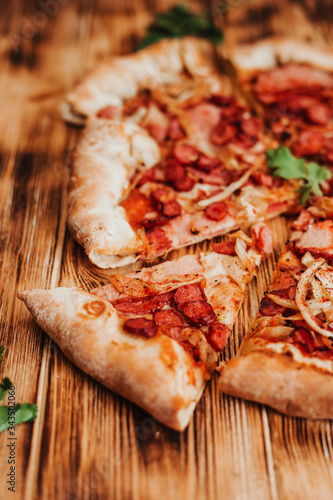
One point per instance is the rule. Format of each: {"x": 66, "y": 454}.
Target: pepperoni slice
{"x": 207, "y": 164}
{"x": 225, "y": 247}
{"x": 218, "y": 336}
{"x": 140, "y": 326}
{"x": 151, "y": 223}
{"x": 162, "y": 195}
{"x": 148, "y": 176}
{"x": 251, "y": 126}
{"x": 185, "y": 154}
{"x": 142, "y": 305}
{"x": 171, "y": 209}
{"x": 217, "y": 211}
{"x": 109, "y": 112}
{"x": 223, "y": 133}
{"x": 319, "y": 114}
{"x": 158, "y": 241}
{"x": 184, "y": 184}
{"x": 199, "y": 313}
{"x": 175, "y": 131}
{"x": 174, "y": 171}
{"x": 308, "y": 143}
{"x": 168, "y": 317}
{"x": 187, "y": 293}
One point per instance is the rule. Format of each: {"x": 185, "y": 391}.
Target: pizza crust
{"x": 95, "y": 220}
{"x": 268, "y": 53}
{"x": 279, "y": 381}
{"x": 156, "y": 373}
{"x": 122, "y": 77}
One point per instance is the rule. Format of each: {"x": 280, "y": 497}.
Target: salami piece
{"x": 250, "y": 127}
{"x": 152, "y": 223}
{"x": 174, "y": 171}
{"x": 185, "y": 154}
{"x": 319, "y": 114}
{"x": 168, "y": 317}
{"x": 223, "y": 132}
{"x": 206, "y": 163}
{"x": 218, "y": 336}
{"x": 162, "y": 195}
{"x": 262, "y": 179}
{"x": 175, "y": 131}
{"x": 269, "y": 308}
{"x": 158, "y": 241}
{"x": 142, "y": 305}
{"x": 199, "y": 313}
{"x": 308, "y": 143}
{"x": 184, "y": 184}
{"x": 187, "y": 293}
{"x": 140, "y": 326}
{"x": 217, "y": 211}
{"x": 171, "y": 209}
{"x": 225, "y": 247}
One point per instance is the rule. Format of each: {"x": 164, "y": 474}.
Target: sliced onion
{"x": 240, "y": 249}
{"x": 307, "y": 259}
{"x": 290, "y": 304}
{"x": 301, "y": 293}
{"x": 228, "y": 190}
{"x": 278, "y": 331}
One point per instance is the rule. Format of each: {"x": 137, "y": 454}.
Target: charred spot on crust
{"x": 95, "y": 308}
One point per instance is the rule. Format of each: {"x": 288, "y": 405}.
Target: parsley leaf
{"x": 23, "y": 413}
{"x": 178, "y": 22}
{"x": 288, "y": 166}
{"x": 4, "y": 388}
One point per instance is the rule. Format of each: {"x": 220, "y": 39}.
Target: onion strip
{"x": 290, "y": 304}
{"x": 228, "y": 190}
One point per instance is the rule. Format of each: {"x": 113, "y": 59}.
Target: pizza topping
{"x": 174, "y": 170}
{"x": 156, "y": 123}
{"x": 184, "y": 184}
{"x": 218, "y": 335}
{"x": 158, "y": 241}
{"x": 109, "y": 112}
{"x": 187, "y": 293}
{"x": 171, "y": 209}
{"x": 228, "y": 190}
{"x": 262, "y": 179}
{"x": 304, "y": 337}
{"x": 268, "y": 307}
{"x": 152, "y": 223}
{"x": 251, "y": 126}
{"x": 318, "y": 240}
{"x": 217, "y": 211}
{"x": 263, "y": 237}
{"x": 308, "y": 143}
{"x": 142, "y": 305}
{"x": 168, "y": 317}
{"x": 175, "y": 131}
{"x": 198, "y": 312}
{"x": 218, "y": 176}
{"x": 225, "y": 248}
{"x": 223, "y": 133}
{"x": 185, "y": 154}
{"x": 206, "y": 163}
{"x": 288, "y": 303}
{"x": 303, "y": 221}
{"x": 319, "y": 114}
{"x": 140, "y": 326}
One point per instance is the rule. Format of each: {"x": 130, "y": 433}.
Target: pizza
{"x": 154, "y": 336}
{"x": 168, "y": 158}
{"x": 286, "y": 361}
{"x": 291, "y": 83}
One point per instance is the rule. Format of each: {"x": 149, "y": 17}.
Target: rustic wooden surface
{"x": 88, "y": 443}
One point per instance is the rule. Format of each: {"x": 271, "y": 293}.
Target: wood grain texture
{"x": 87, "y": 442}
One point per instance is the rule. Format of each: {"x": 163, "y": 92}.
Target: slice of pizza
{"x": 168, "y": 159}
{"x": 286, "y": 361}
{"x": 292, "y": 81}
{"x": 154, "y": 336}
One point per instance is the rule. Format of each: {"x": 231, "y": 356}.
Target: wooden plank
{"x": 87, "y": 442}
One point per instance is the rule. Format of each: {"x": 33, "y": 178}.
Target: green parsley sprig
{"x": 178, "y": 22}
{"x": 23, "y": 413}
{"x": 287, "y": 166}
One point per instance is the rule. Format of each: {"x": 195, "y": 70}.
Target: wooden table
{"x": 88, "y": 443}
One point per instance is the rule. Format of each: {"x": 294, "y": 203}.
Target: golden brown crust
{"x": 156, "y": 373}
{"x": 95, "y": 220}
{"x": 267, "y": 54}
{"x": 121, "y": 77}
{"x": 279, "y": 381}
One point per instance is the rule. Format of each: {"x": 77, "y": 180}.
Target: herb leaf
{"x": 288, "y": 166}
{"x": 23, "y": 413}
{"x": 4, "y": 388}
{"x": 178, "y": 22}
